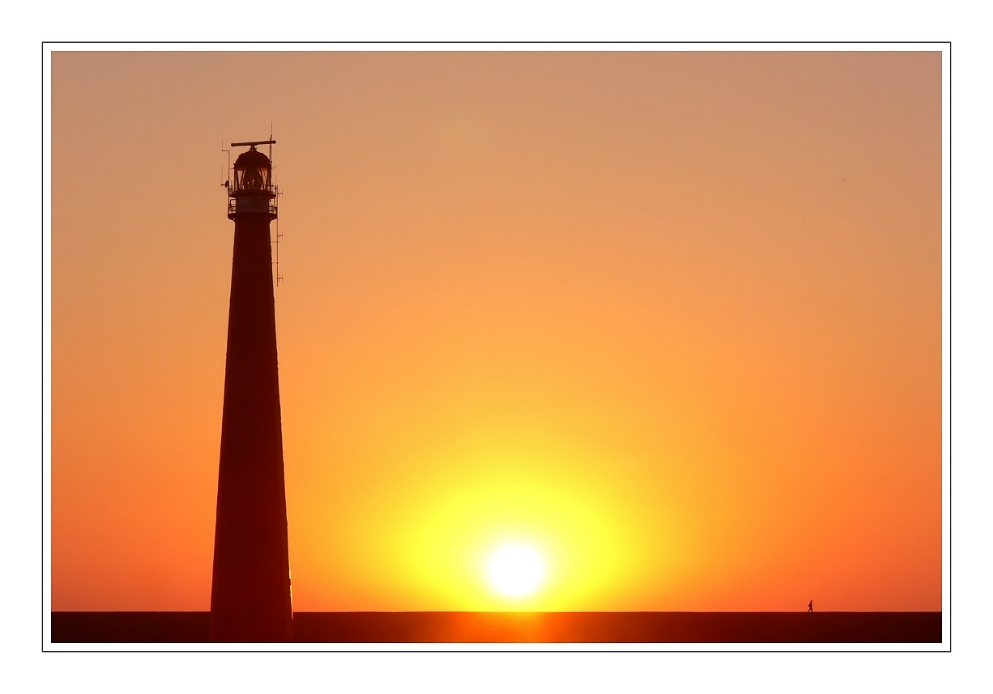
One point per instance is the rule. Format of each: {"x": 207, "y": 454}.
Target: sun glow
{"x": 515, "y": 570}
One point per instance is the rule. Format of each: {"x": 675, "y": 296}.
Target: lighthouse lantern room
{"x": 250, "y": 190}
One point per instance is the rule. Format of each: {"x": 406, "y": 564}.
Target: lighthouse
{"x": 250, "y": 596}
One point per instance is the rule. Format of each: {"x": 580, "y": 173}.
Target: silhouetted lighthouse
{"x": 250, "y": 596}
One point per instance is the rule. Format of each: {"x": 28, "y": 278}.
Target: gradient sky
{"x": 673, "y": 319}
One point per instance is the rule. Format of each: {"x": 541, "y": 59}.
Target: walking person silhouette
{"x": 810, "y": 607}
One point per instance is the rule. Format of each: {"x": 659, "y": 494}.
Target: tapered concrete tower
{"x": 250, "y": 599}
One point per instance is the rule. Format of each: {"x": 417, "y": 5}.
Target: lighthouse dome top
{"x": 252, "y": 159}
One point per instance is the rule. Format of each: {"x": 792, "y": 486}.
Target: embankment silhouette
{"x": 522, "y": 627}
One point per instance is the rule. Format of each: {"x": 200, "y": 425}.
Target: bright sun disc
{"x": 515, "y": 570}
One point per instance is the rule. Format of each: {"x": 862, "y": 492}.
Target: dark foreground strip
{"x": 522, "y": 627}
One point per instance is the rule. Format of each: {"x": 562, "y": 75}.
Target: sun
{"x": 515, "y": 570}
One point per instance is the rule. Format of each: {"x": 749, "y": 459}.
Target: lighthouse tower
{"x": 250, "y": 599}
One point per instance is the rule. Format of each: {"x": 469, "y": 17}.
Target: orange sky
{"x": 674, "y": 319}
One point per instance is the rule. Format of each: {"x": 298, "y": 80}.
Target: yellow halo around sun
{"x": 515, "y": 570}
